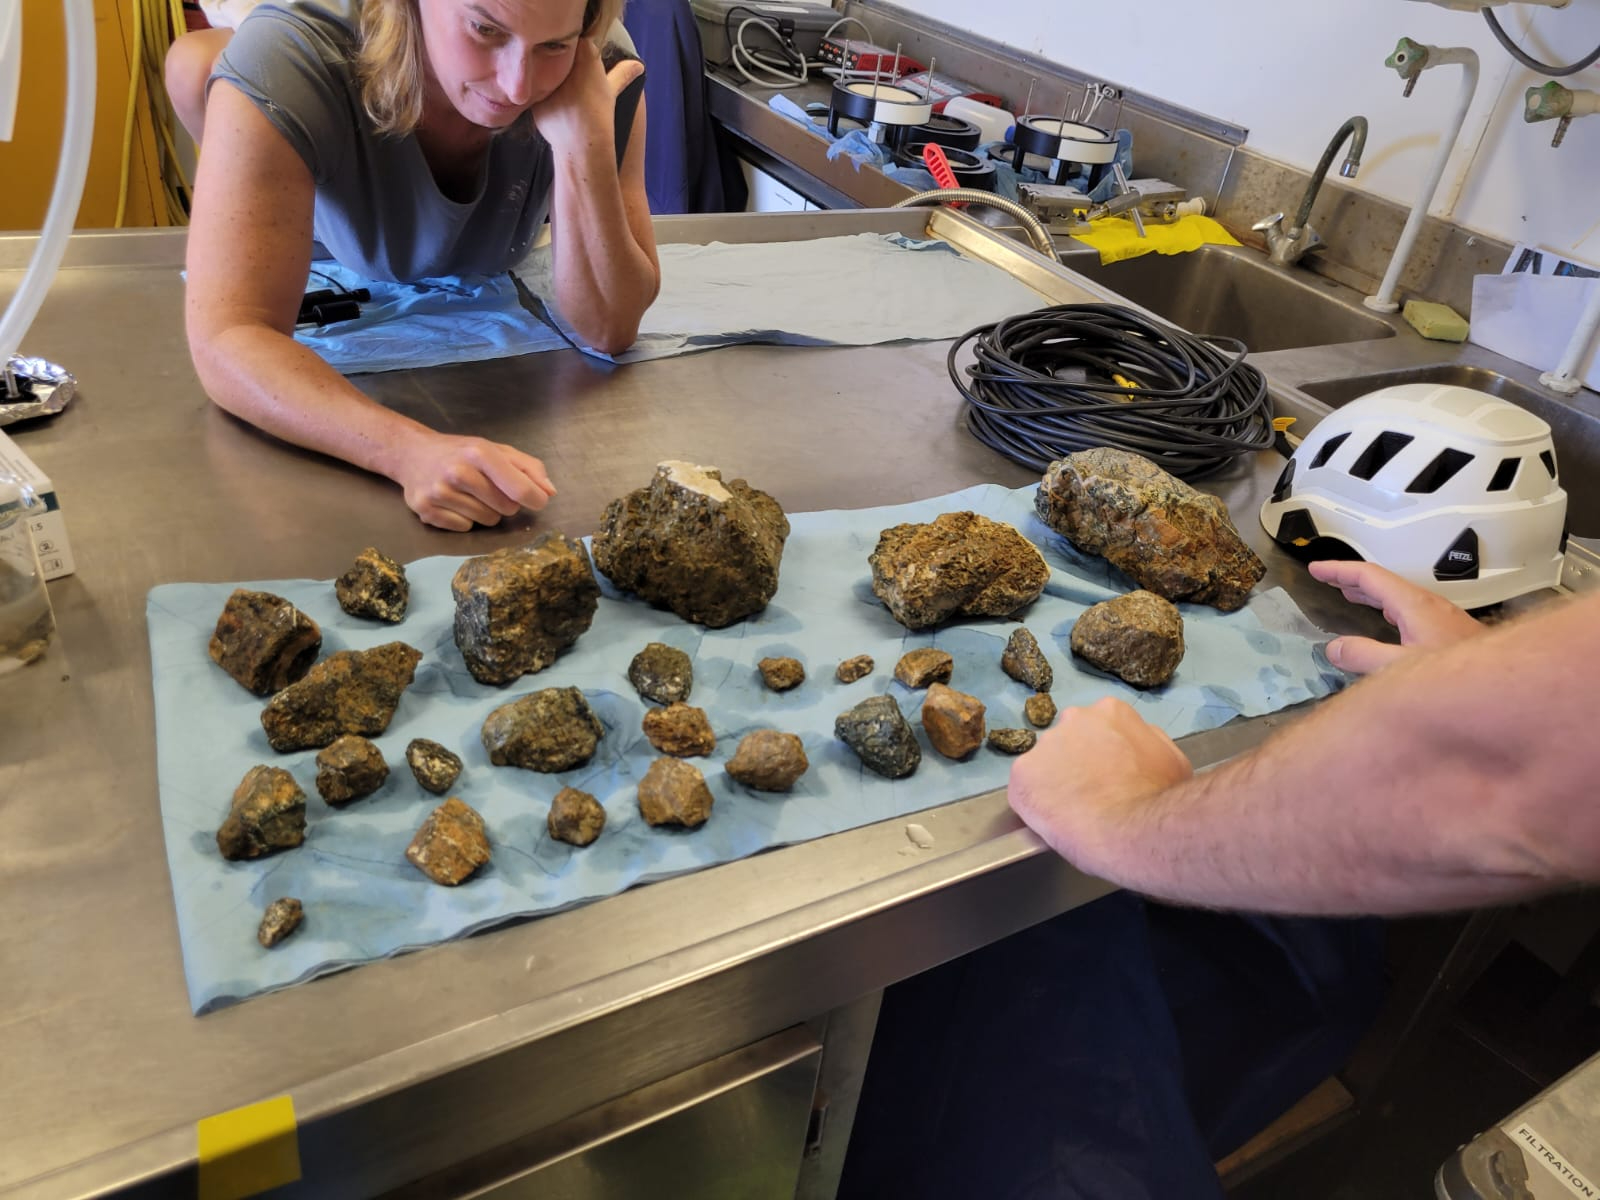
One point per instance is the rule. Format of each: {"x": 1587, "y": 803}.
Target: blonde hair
{"x": 389, "y": 66}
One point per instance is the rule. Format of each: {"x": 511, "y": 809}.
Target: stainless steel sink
{"x": 1574, "y": 429}
{"x": 1238, "y": 294}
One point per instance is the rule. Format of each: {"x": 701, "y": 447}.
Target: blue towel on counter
{"x": 364, "y": 901}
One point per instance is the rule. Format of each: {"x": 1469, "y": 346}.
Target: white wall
{"x": 1292, "y": 70}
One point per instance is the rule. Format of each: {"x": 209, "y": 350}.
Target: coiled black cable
{"x": 1532, "y": 63}
{"x": 1044, "y": 384}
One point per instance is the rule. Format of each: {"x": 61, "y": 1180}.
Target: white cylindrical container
{"x": 994, "y": 123}
{"x": 26, "y": 621}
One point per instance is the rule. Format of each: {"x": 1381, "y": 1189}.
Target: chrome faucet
{"x": 1286, "y": 246}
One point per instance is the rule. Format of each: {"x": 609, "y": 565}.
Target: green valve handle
{"x": 1551, "y": 102}
{"x": 1409, "y": 60}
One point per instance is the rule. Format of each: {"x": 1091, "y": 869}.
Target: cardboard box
{"x": 48, "y": 525}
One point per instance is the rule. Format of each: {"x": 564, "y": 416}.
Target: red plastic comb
{"x": 939, "y": 167}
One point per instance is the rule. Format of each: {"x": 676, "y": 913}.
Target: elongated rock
{"x": 549, "y": 730}
{"x": 1012, "y": 741}
{"x": 451, "y": 844}
{"x": 263, "y": 641}
{"x": 881, "y": 736}
{"x": 353, "y": 691}
{"x": 674, "y": 793}
{"x": 374, "y": 587}
{"x": 1163, "y": 534}
{"x": 768, "y": 760}
{"x": 662, "y": 673}
{"x": 283, "y": 917}
{"x": 852, "y": 669}
{"x": 707, "y": 550}
{"x": 1137, "y": 637}
{"x": 518, "y": 608}
{"x": 959, "y": 565}
{"x": 267, "y": 814}
{"x": 1025, "y": 662}
{"x": 953, "y": 721}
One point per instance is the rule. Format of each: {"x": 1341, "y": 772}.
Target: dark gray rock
{"x": 1012, "y": 741}
{"x": 953, "y": 721}
{"x": 674, "y": 793}
{"x": 374, "y": 587}
{"x": 263, "y": 641}
{"x": 782, "y": 674}
{"x": 680, "y": 730}
{"x": 518, "y": 608}
{"x": 923, "y": 666}
{"x": 1137, "y": 637}
{"x": 451, "y": 844}
{"x": 662, "y": 673}
{"x": 549, "y": 730}
{"x": 852, "y": 669}
{"x": 267, "y": 814}
{"x": 353, "y": 691}
{"x": 1039, "y": 709}
{"x": 704, "y": 549}
{"x": 349, "y": 768}
{"x": 283, "y": 917}
{"x": 881, "y": 737}
{"x": 959, "y": 565}
{"x": 434, "y": 766}
{"x": 768, "y": 760}
{"x": 575, "y": 817}
{"x": 1163, "y": 534}
{"x": 1025, "y": 662}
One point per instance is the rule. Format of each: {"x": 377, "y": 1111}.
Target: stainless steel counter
{"x": 408, "y": 1066}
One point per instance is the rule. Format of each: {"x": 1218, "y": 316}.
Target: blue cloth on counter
{"x": 364, "y": 901}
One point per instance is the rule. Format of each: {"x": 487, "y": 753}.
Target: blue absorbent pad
{"x": 803, "y": 293}
{"x": 363, "y": 900}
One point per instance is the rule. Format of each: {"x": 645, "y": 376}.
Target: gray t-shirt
{"x": 378, "y": 210}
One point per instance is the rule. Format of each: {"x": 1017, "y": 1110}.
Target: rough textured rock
{"x": 434, "y": 766}
{"x": 852, "y": 669}
{"x": 520, "y": 607}
{"x": 1163, "y": 534}
{"x": 349, "y": 768}
{"x": 662, "y": 673}
{"x": 549, "y": 730}
{"x": 680, "y": 730}
{"x": 1025, "y": 662}
{"x": 881, "y": 737}
{"x": 263, "y": 641}
{"x": 375, "y": 586}
{"x": 282, "y": 918}
{"x": 704, "y": 549}
{"x": 268, "y": 813}
{"x": 1012, "y": 741}
{"x": 960, "y": 565}
{"x": 918, "y": 668}
{"x": 353, "y": 691}
{"x": 953, "y": 721}
{"x": 1137, "y": 636}
{"x": 451, "y": 844}
{"x": 768, "y": 760}
{"x": 1039, "y": 709}
{"x": 575, "y": 817}
{"x": 674, "y": 793}
{"x": 782, "y": 674}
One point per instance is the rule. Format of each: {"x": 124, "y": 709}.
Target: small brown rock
{"x": 263, "y": 641}
{"x": 1025, "y": 662}
{"x": 575, "y": 817}
{"x": 374, "y": 587}
{"x": 549, "y": 730}
{"x": 451, "y": 844}
{"x": 662, "y": 673}
{"x": 434, "y": 766}
{"x": 282, "y": 918}
{"x": 768, "y": 760}
{"x": 919, "y": 668}
{"x": 1012, "y": 741}
{"x": 268, "y": 813}
{"x": 959, "y": 565}
{"x": 852, "y": 669}
{"x": 680, "y": 730}
{"x": 782, "y": 674}
{"x": 1039, "y": 709}
{"x": 953, "y": 721}
{"x": 353, "y": 691}
{"x": 349, "y": 768}
{"x": 1137, "y": 637}
{"x": 674, "y": 793}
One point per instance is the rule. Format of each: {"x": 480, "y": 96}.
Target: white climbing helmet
{"x": 1446, "y": 486}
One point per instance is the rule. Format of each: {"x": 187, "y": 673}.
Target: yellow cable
{"x": 135, "y": 74}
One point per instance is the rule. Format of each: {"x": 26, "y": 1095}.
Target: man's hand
{"x": 1091, "y": 766}
{"x": 1425, "y": 619}
{"x": 454, "y": 482}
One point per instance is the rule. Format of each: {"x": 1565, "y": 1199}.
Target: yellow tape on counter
{"x": 248, "y": 1150}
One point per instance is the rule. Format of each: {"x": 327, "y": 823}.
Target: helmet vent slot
{"x": 1376, "y": 456}
{"x": 1327, "y": 451}
{"x": 1439, "y": 472}
{"x": 1549, "y": 461}
{"x": 1505, "y": 475}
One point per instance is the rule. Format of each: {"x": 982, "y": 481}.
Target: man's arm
{"x": 1454, "y": 777}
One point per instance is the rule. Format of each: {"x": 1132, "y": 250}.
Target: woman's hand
{"x": 583, "y": 109}
{"x": 1425, "y": 619}
{"x": 454, "y": 482}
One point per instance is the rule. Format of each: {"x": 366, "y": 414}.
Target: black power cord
{"x": 1527, "y": 59}
{"x": 1076, "y": 376}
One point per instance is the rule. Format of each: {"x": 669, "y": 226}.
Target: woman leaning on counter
{"x": 409, "y": 139}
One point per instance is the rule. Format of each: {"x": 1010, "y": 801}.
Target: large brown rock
{"x": 1138, "y": 637}
{"x": 549, "y": 730}
{"x": 1163, "y": 534}
{"x": 768, "y": 760}
{"x": 451, "y": 844}
{"x": 674, "y": 793}
{"x": 953, "y": 721}
{"x": 263, "y": 641}
{"x": 704, "y": 549}
{"x": 520, "y": 607}
{"x": 267, "y": 814}
{"x": 374, "y": 587}
{"x": 353, "y": 691}
{"x": 959, "y": 565}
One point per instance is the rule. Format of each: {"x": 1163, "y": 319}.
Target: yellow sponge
{"x": 1439, "y": 322}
